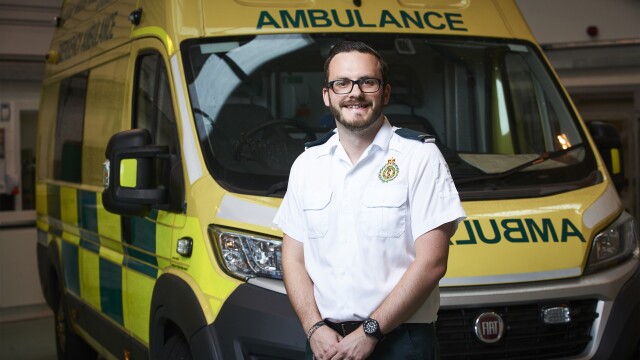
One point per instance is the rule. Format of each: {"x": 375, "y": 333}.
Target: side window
{"x": 153, "y": 110}
{"x": 46, "y": 129}
{"x": 153, "y": 103}
{"x": 103, "y": 115}
{"x": 69, "y": 127}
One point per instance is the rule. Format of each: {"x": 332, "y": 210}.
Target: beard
{"x": 357, "y": 122}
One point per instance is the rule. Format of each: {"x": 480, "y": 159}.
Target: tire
{"x": 69, "y": 345}
{"x": 177, "y": 349}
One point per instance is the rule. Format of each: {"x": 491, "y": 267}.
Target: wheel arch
{"x": 51, "y": 280}
{"x": 176, "y": 307}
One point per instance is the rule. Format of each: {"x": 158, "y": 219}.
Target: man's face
{"x": 356, "y": 110}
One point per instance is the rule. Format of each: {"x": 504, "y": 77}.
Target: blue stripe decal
{"x": 140, "y": 262}
{"x": 53, "y": 209}
{"x": 111, "y": 290}
{"x": 88, "y": 210}
{"x": 88, "y": 244}
{"x": 141, "y": 252}
{"x": 70, "y": 267}
{"x": 143, "y": 232}
{"x": 88, "y": 221}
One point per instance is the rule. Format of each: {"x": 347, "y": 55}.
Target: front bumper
{"x": 613, "y": 333}
{"x": 256, "y": 323}
{"x": 621, "y": 336}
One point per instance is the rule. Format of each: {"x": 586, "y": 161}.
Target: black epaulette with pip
{"x": 415, "y": 135}
{"x": 320, "y": 141}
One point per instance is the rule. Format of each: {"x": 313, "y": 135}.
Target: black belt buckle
{"x": 344, "y": 328}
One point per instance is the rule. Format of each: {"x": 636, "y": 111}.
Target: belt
{"x": 344, "y": 328}
{"x": 347, "y": 327}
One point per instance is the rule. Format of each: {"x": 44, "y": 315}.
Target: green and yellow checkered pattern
{"x": 97, "y": 265}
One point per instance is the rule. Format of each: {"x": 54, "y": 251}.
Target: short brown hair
{"x": 349, "y": 46}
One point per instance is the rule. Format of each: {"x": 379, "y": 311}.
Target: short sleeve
{"x": 290, "y": 217}
{"x": 433, "y": 196}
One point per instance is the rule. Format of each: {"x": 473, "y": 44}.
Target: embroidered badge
{"x": 389, "y": 171}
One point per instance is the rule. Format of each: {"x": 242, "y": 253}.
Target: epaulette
{"x": 319, "y": 141}
{"x": 415, "y": 135}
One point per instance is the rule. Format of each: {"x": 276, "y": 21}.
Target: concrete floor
{"x": 27, "y": 334}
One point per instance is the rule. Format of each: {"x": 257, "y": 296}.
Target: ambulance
{"x": 167, "y": 131}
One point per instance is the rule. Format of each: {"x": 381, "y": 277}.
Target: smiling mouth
{"x": 356, "y": 106}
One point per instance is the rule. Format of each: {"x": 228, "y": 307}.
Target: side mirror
{"x": 129, "y": 174}
{"x": 609, "y": 143}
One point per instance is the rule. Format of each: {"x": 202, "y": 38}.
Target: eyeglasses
{"x": 344, "y": 86}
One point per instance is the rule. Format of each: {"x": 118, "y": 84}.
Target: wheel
{"x": 68, "y": 344}
{"x": 176, "y": 349}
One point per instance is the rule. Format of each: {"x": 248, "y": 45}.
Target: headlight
{"x": 613, "y": 244}
{"x": 245, "y": 255}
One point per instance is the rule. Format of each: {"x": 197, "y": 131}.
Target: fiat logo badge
{"x": 489, "y": 327}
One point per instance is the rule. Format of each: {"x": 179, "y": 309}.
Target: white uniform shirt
{"x": 358, "y": 225}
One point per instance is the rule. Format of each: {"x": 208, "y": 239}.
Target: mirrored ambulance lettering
{"x": 96, "y": 33}
{"x": 315, "y": 18}
{"x": 516, "y": 231}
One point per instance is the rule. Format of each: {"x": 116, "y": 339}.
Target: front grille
{"x": 525, "y": 334}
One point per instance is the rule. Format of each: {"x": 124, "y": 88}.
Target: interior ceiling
{"x": 18, "y": 15}
{"x": 39, "y": 14}
{"x": 29, "y": 12}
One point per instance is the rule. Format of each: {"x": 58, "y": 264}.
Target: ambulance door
{"x": 147, "y": 240}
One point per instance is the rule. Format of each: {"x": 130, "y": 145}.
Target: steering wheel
{"x": 244, "y": 140}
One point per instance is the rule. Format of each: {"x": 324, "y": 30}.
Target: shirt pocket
{"x": 316, "y": 213}
{"x": 385, "y": 210}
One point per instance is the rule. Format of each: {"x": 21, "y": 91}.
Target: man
{"x": 367, "y": 220}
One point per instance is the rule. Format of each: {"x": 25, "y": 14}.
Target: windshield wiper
{"x": 540, "y": 159}
{"x": 277, "y": 187}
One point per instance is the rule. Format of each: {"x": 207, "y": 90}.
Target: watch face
{"x": 370, "y": 326}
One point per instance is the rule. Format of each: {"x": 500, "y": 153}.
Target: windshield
{"x": 498, "y": 117}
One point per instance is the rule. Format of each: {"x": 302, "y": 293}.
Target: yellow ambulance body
{"x": 166, "y": 134}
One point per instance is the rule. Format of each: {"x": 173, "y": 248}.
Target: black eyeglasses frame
{"x": 353, "y": 82}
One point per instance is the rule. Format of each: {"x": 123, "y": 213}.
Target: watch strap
{"x": 315, "y": 327}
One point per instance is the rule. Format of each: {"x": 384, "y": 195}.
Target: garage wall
{"x": 26, "y": 29}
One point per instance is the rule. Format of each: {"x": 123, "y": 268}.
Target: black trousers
{"x": 407, "y": 341}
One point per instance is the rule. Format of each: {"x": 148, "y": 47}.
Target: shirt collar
{"x": 380, "y": 141}
{"x": 383, "y": 136}
{"x": 330, "y": 146}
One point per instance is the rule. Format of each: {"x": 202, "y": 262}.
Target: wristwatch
{"x": 372, "y": 328}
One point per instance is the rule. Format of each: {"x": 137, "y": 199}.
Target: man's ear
{"x": 387, "y": 93}
{"x": 325, "y": 97}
